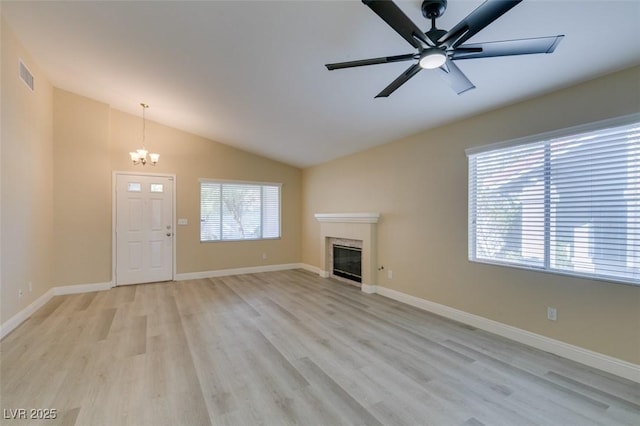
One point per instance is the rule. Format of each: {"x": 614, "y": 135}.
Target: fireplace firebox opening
{"x": 347, "y": 262}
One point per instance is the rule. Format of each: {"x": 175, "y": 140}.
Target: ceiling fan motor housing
{"x": 432, "y": 9}
{"x": 435, "y": 34}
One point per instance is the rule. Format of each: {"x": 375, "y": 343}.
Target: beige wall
{"x": 26, "y": 169}
{"x": 82, "y": 190}
{"x": 92, "y": 140}
{"x": 419, "y": 185}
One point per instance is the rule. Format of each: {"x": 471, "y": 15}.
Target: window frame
{"x": 261, "y": 185}
{"x": 536, "y": 139}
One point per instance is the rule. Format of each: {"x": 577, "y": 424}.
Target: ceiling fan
{"x": 439, "y": 48}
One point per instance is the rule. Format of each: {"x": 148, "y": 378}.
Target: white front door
{"x": 144, "y": 229}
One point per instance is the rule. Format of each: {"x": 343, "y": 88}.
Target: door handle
{"x": 168, "y": 234}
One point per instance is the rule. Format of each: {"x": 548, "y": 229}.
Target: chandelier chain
{"x": 144, "y": 122}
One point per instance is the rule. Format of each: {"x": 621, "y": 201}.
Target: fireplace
{"x": 347, "y": 262}
{"x": 353, "y": 231}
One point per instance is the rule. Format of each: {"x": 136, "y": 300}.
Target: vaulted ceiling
{"x": 251, "y": 73}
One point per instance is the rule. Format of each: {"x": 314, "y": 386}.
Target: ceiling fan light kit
{"x": 438, "y": 49}
{"x": 432, "y": 58}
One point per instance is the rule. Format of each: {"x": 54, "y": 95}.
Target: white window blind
{"x": 567, "y": 204}
{"x": 231, "y": 211}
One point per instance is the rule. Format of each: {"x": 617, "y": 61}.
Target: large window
{"x": 567, "y": 203}
{"x": 231, "y": 211}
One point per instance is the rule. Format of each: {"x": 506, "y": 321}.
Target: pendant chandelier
{"x": 139, "y": 156}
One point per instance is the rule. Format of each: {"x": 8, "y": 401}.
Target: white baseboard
{"x": 312, "y": 268}
{"x": 368, "y": 288}
{"x": 81, "y": 288}
{"x": 9, "y": 325}
{"x": 236, "y": 271}
{"x": 587, "y": 357}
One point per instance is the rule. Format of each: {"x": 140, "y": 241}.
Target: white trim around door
{"x": 114, "y": 253}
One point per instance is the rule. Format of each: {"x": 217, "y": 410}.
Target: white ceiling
{"x": 251, "y": 73}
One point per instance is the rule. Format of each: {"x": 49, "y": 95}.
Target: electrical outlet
{"x": 390, "y": 274}
{"x": 552, "y": 313}
{"x": 30, "y": 287}
{"x": 264, "y": 256}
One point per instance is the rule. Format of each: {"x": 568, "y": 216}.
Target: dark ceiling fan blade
{"x": 403, "y": 78}
{"x": 455, "y": 77}
{"x": 484, "y": 15}
{"x": 400, "y": 22}
{"x": 525, "y": 46}
{"x": 373, "y": 61}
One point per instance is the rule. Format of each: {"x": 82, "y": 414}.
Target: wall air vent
{"x": 25, "y": 75}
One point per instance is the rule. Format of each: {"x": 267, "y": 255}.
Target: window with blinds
{"x": 569, "y": 203}
{"x": 231, "y": 211}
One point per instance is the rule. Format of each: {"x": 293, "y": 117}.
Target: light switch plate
{"x": 183, "y": 222}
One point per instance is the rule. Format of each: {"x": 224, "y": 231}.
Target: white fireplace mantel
{"x": 348, "y": 217}
{"x": 354, "y": 226}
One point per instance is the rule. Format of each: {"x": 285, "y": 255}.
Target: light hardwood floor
{"x": 286, "y": 348}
